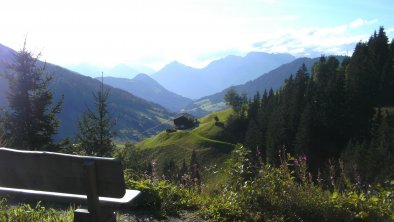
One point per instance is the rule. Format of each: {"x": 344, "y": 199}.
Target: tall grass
{"x": 289, "y": 193}
{"x": 38, "y": 213}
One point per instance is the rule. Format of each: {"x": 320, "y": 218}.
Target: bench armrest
{"x": 127, "y": 198}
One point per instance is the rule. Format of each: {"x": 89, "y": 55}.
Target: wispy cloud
{"x": 390, "y": 31}
{"x": 360, "y": 22}
{"x": 311, "y": 42}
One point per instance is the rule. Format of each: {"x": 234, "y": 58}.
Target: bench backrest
{"x": 56, "y": 172}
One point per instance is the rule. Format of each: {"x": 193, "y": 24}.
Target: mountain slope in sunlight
{"x": 147, "y": 88}
{"x": 135, "y": 118}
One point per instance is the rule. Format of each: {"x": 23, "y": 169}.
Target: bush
{"x": 161, "y": 197}
{"x": 282, "y": 194}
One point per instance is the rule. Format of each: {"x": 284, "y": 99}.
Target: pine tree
{"x": 31, "y": 119}
{"x": 95, "y": 128}
{"x": 304, "y": 133}
{"x": 370, "y": 81}
{"x": 253, "y": 136}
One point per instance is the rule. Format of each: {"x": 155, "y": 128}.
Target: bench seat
{"x": 95, "y": 182}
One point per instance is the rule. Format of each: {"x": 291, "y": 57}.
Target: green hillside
{"x": 206, "y": 139}
{"x": 135, "y": 118}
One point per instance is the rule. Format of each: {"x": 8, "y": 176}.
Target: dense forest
{"x": 339, "y": 111}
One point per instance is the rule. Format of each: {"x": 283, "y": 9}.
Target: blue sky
{"x": 153, "y": 33}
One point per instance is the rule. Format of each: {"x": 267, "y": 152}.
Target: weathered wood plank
{"x": 55, "y": 172}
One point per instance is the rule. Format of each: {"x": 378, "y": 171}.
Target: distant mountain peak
{"x": 142, "y": 76}
{"x": 219, "y": 74}
{"x": 176, "y": 67}
{"x": 175, "y": 64}
{"x": 266, "y": 54}
{"x": 147, "y": 88}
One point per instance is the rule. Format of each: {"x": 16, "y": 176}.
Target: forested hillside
{"x": 135, "y": 117}
{"x": 341, "y": 110}
{"x": 273, "y": 79}
{"x": 318, "y": 149}
{"x": 147, "y": 88}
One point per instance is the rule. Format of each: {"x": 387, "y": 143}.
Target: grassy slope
{"x": 179, "y": 145}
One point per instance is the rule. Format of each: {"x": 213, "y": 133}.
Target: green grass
{"x": 179, "y": 145}
{"x": 27, "y": 213}
{"x": 208, "y": 106}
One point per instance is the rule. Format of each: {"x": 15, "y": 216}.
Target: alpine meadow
{"x": 197, "y": 111}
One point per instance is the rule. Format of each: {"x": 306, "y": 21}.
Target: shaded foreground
{"x": 250, "y": 193}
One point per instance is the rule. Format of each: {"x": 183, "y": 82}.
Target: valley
{"x": 306, "y": 139}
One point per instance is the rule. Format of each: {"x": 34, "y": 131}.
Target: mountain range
{"x": 273, "y": 79}
{"x": 147, "y": 88}
{"x": 232, "y": 70}
{"x": 129, "y": 96}
{"x": 135, "y": 118}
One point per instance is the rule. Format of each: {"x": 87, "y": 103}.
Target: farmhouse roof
{"x": 186, "y": 115}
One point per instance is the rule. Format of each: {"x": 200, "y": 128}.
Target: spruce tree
{"x": 253, "y": 139}
{"x": 95, "y": 127}
{"x": 30, "y": 121}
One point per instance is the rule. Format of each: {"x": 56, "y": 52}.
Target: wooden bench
{"x": 95, "y": 182}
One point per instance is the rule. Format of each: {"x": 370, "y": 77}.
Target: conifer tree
{"x": 95, "y": 127}
{"x": 304, "y": 134}
{"x": 253, "y": 139}
{"x": 30, "y": 121}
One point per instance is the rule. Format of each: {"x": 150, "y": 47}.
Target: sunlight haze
{"x": 153, "y": 33}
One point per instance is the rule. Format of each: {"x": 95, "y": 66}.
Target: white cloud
{"x": 337, "y": 40}
{"x": 390, "y": 30}
{"x": 360, "y": 22}
{"x": 153, "y": 33}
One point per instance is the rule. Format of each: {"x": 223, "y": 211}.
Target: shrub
{"x": 284, "y": 194}
{"x": 161, "y": 197}
{"x": 26, "y": 213}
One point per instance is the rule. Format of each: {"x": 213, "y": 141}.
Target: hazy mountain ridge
{"x": 120, "y": 70}
{"x": 147, "y": 88}
{"x": 219, "y": 74}
{"x": 134, "y": 116}
{"x": 273, "y": 79}
{"x": 177, "y": 78}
